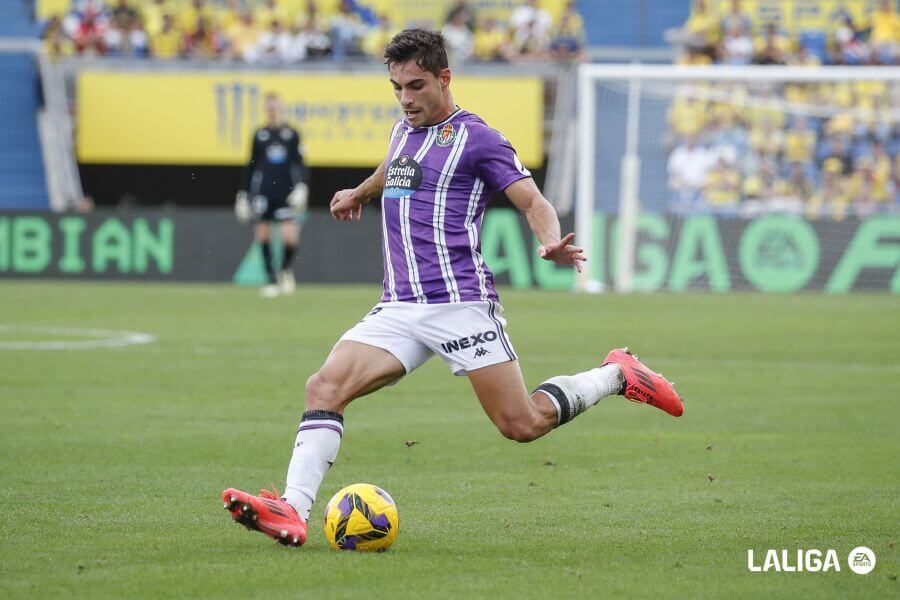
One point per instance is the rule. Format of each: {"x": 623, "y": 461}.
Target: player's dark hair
{"x": 425, "y": 47}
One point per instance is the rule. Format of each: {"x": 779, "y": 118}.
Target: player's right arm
{"x": 255, "y": 151}
{"x": 347, "y": 205}
{"x": 242, "y": 208}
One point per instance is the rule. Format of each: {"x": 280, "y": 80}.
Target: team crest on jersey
{"x": 446, "y": 136}
{"x": 276, "y": 153}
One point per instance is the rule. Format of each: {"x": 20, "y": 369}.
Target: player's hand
{"x": 563, "y": 253}
{"x": 242, "y": 207}
{"x": 299, "y": 197}
{"x": 346, "y": 206}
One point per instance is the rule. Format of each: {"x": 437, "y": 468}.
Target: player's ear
{"x": 445, "y": 78}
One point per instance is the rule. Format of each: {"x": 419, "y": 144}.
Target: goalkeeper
{"x": 274, "y": 188}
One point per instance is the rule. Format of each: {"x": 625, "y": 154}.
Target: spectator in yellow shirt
{"x": 567, "y": 37}
{"x": 867, "y": 191}
{"x": 767, "y": 139}
{"x": 832, "y": 198}
{"x": 228, "y": 14}
{"x": 687, "y": 115}
{"x": 166, "y": 43}
{"x": 489, "y": 39}
{"x": 881, "y": 162}
{"x": 885, "y": 33}
{"x": 771, "y": 48}
{"x": 243, "y": 35}
{"x": 56, "y": 43}
{"x": 153, "y": 11}
{"x": 722, "y": 189}
{"x": 800, "y": 143}
{"x": 737, "y": 17}
{"x": 700, "y": 32}
{"x": 189, "y": 16}
{"x": 799, "y": 185}
{"x": 272, "y": 10}
{"x": 376, "y": 40}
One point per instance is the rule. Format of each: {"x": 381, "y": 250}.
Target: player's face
{"x": 273, "y": 111}
{"x": 423, "y": 97}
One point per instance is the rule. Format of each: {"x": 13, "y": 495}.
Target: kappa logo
{"x": 481, "y": 352}
{"x": 469, "y": 342}
{"x": 446, "y": 136}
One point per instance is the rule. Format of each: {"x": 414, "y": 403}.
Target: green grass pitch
{"x": 113, "y": 459}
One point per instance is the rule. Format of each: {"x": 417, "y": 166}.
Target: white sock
{"x": 574, "y": 394}
{"x": 316, "y": 448}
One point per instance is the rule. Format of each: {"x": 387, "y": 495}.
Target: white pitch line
{"x": 102, "y": 338}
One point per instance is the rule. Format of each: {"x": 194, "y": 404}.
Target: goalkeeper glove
{"x": 242, "y": 207}
{"x": 299, "y": 197}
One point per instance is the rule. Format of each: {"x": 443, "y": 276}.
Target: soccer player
{"x": 274, "y": 189}
{"x": 439, "y": 297}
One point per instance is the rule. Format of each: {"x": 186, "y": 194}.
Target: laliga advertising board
{"x": 207, "y": 118}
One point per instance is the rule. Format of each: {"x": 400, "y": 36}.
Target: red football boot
{"x": 643, "y": 385}
{"x": 266, "y": 513}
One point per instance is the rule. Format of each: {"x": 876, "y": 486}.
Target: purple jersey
{"x": 437, "y": 184}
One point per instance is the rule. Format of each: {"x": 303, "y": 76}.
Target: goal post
{"x": 788, "y": 235}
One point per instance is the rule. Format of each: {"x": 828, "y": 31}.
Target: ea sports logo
{"x": 861, "y": 560}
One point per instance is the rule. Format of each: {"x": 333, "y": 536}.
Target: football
{"x": 361, "y": 517}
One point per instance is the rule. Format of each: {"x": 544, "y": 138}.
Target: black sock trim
{"x": 288, "y": 255}
{"x": 320, "y": 415}
{"x": 566, "y": 413}
{"x": 267, "y": 260}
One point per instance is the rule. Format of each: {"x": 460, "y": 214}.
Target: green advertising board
{"x": 773, "y": 253}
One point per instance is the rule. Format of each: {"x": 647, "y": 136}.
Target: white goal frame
{"x": 629, "y": 190}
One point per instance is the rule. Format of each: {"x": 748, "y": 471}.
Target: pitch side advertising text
{"x": 769, "y": 254}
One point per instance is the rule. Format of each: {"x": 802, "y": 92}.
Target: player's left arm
{"x": 299, "y": 196}
{"x": 544, "y": 223}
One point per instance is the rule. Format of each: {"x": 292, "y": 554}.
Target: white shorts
{"x": 467, "y": 335}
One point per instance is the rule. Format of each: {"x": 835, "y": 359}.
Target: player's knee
{"x": 321, "y": 393}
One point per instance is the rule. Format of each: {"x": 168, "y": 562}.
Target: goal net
{"x": 776, "y": 179}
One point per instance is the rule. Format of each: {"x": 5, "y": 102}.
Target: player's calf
{"x": 523, "y": 428}
{"x": 571, "y": 395}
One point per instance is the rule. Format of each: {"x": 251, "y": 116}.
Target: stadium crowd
{"x": 824, "y": 149}
{"x": 734, "y": 37}
{"x": 291, "y": 31}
